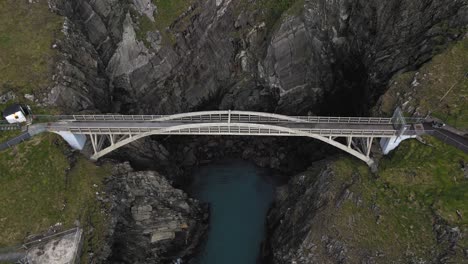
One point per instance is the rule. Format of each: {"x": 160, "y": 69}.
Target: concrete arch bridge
{"x": 353, "y": 135}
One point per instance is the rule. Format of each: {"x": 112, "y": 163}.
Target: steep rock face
{"x": 354, "y": 47}
{"x": 439, "y": 88}
{"x": 91, "y": 30}
{"x": 338, "y": 212}
{"x": 296, "y": 216}
{"x": 78, "y": 83}
{"x": 183, "y": 75}
{"x": 222, "y": 54}
{"x": 151, "y": 221}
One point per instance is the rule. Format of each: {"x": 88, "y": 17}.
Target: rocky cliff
{"x": 293, "y": 57}
{"x": 151, "y": 222}
{"x": 288, "y": 56}
{"x": 339, "y": 212}
{"x": 409, "y": 211}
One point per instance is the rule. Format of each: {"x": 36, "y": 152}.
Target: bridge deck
{"x": 127, "y": 127}
{"x": 110, "y": 132}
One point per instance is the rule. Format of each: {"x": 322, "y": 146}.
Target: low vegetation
{"x": 41, "y": 187}
{"x": 399, "y": 206}
{"x": 168, "y": 11}
{"x": 169, "y": 19}
{"x": 439, "y": 88}
{"x": 27, "y": 33}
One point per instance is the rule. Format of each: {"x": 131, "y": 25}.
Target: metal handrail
{"x": 228, "y": 129}
{"x": 220, "y": 117}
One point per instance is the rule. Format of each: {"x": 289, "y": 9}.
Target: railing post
{"x": 229, "y": 117}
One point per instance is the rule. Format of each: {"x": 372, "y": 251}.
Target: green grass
{"x": 39, "y": 189}
{"x": 168, "y": 11}
{"x": 432, "y": 174}
{"x": 413, "y": 184}
{"x": 401, "y": 225}
{"x": 34, "y": 179}
{"x": 6, "y": 135}
{"x": 444, "y": 75}
{"x": 38, "y": 185}
{"x": 27, "y": 32}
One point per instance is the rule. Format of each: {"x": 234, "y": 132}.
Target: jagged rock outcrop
{"x": 295, "y": 216}
{"x": 78, "y": 83}
{"x": 354, "y": 47}
{"x": 337, "y": 212}
{"x": 91, "y": 31}
{"x": 152, "y": 222}
{"x": 222, "y": 54}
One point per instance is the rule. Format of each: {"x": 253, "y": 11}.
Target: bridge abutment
{"x": 75, "y": 141}
{"x": 389, "y": 144}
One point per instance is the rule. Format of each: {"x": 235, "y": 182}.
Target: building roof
{"x": 12, "y": 109}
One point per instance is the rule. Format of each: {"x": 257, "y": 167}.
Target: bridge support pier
{"x": 389, "y": 144}
{"x": 75, "y": 141}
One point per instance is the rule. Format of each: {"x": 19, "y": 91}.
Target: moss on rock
{"x": 439, "y": 88}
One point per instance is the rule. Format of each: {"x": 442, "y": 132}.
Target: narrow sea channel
{"x": 239, "y": 194}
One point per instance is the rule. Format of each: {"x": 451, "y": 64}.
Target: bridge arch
{"x": 228, "y": 114}
{"x": 235, "y": 129}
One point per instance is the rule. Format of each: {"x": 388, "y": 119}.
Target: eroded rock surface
{"x": 152, "y": 222}
{"x": 222, "y": 54}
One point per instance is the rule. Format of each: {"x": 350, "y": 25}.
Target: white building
{"x": 16, "y": 113}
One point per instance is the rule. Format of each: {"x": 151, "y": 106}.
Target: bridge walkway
{"x": 126, "y": 127}
{"x": 110, "y": 132}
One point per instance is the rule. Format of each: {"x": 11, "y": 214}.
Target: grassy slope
{"x": 446, "y": 71}
{"x": 27, "y": 32}
{"x": 413, "y": 185}
{"x": 416, "y": 182}
{"x": 39, "y": 189}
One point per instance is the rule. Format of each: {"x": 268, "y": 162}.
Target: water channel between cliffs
{"x": 239, "y": 194}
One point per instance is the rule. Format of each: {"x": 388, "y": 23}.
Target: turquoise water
{"x": 239, "y": 195}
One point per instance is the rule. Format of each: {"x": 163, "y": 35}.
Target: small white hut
{"x": 16, "y": 113}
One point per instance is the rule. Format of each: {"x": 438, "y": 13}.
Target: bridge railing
{"x": 9, "y": 127}
{"x": 213, "y": 118}
{"x": 221, "y": 116}
{"x": 232, "y": 130}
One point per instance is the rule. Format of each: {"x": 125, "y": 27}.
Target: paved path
{"x": 447, "y": 136}
{"x": 15, "y": 141}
